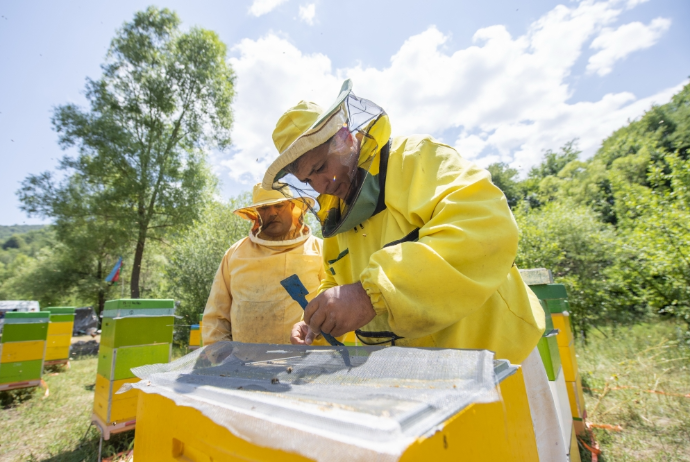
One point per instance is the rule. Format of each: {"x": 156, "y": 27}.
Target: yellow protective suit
{"x": 247, "y": 302}
{"x": 437, "y": 261}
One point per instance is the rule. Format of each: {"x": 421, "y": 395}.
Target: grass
{"x": 55, "y": 428}
{"x": 656, "y": 427}
{"x": 619, "y": 366}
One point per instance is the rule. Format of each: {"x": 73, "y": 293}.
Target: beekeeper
{"x": 247, "y": 302}
{"x": 418, "y": 243}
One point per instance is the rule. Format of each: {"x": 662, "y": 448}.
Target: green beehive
{"x": 549, "y": 291}
{"x": 548, "y": 350}
{"x": 129, "y": 331}
{"x": 21, "y": 371}
{"x": 557, "y": 306}
{"x": 61, "y": 310}
{"x": 24, "y": 326}
{"x": 116, "y": 363}
{"x": 61, "y": 313}
{"x": 138, "y": 307}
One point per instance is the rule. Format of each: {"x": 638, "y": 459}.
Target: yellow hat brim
{"x": 249, "y": 212}
{"x": 321, "y": 131}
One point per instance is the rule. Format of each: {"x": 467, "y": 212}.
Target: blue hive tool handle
{"x": 297, "y": 291}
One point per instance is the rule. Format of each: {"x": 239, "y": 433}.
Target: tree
{"x": 554, "y": 162}
{"x": 163, "y": 100}
{"x": 569, "y": 240}
{"x": 505, "y": 178}
{"x": 195, "y": 254}
{"x": 655, "y": 236}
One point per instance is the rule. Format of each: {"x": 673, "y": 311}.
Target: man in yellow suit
{"x": 247, "y": 302}
{"x": 419, "y": 245}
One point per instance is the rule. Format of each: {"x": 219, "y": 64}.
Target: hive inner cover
{"x": 366, "y": 393}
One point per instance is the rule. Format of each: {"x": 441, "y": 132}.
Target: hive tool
{"x": 297, "y": 291}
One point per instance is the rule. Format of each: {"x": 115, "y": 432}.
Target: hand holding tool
{"x": 297, "y": 291}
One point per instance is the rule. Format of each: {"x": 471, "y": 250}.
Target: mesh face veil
{"x": 337, "y": 173}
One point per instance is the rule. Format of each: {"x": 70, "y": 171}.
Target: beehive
{"x": 327, "y": 405}
{"x": 59, "y": 334}
{"x": 554, "y": 297}
{"x": 133, "y": 333}
{"x": 23, "y": 348}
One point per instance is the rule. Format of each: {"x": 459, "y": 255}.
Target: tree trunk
{"x": 101, "y": 292}
{"x": 136, "y": 266}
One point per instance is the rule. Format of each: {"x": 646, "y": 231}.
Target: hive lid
{"x": 138, "y": 307}
{"x": 61, "y": 309}
{"x": 25, "y": 317}
{"x": 139, "y": 304}
{"x": 372, "y": 399}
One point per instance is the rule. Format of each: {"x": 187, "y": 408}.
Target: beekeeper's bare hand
{"x": 339, "y": 310}
{"x": 301, "y": 334}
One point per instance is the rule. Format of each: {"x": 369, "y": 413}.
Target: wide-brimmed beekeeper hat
{"x": 262, "y": 197}
{"x": 302, "y": 128}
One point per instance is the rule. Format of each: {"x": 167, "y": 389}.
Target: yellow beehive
{"x": 59, "y": 334}
{"x": 481, "y": 432}
{"x": 112, "y": 407}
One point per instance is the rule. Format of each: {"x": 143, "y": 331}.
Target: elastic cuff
{"x": 374, "y": 293}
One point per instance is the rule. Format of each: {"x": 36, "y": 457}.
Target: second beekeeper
{"x": 247, "y": 302}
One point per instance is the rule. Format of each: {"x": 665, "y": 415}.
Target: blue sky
{"x": 501, "y": 80}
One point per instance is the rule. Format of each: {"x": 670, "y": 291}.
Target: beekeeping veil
{"x": 354, "y": 134}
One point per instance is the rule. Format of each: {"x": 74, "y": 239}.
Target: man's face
{"x": 327, "y": 168}
{"x": 276, "y": 219}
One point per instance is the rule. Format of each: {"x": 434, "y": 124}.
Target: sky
{"x": 499, "y": 80}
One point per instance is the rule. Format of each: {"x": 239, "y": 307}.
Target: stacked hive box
{"x": 559, "y": 309}
{"x": 195, "y": 334}
{"x": 554, "y": 296}
{"x": 133, "y": 333}
{"x": 22, "y": 349}
{"x": 59, "y": 335}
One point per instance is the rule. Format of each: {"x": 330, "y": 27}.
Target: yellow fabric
{"x": 247, "y": 302}
{"x": 294, "y": 123}
{"x": 456, "y": 287}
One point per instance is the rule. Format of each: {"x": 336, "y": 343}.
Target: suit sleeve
{"x": 216, "y": 321}
{"x": 466, "y": 242}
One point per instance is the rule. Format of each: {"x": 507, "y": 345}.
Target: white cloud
{"x": 307, "y": 13}
{"x": 504, "y": 98}
{"x": 261, "y": 7}
{"x": 273, "y": 75}
{"x": 619, "y": 43}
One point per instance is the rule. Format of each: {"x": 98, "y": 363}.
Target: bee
{"x": 275, "y": 380}
{"x": 289, "y": 370}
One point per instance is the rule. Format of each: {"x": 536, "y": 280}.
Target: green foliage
{"x": 554, "y": 162}
{"x": 570, "y": 241}
{"x": 196, "y": 253}
{"x": 163, "y": 101}
{"x": 615, "y": 228}
{"x": 655, "y": 235}
{"x": 506, "y": 178}
{"x": 7, "y": 231}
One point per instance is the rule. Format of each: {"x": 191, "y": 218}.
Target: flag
{"x": 114, "y": 275}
